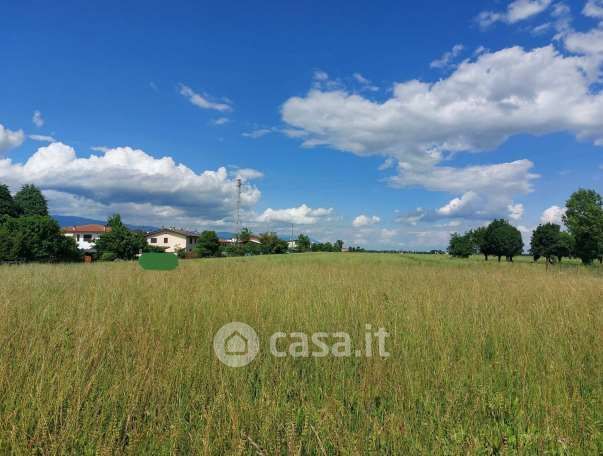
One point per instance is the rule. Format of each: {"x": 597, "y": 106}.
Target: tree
{"x": 208, "y": 244}
{"x": 545, "y": 241}
{"x": 584, "y": 221}
{"x": 124, "y": 243}
{"x": 272, "y": 244}
{"x": 478, "y": 237}
{"x": 565, "y": 246}
{"x": 245, "y": 235}
{"x": 30, "y": 201}
{"x": 338, "y": 246}
{"x": 35, "y": 238}
{"x": 461, "y": 246}
{"x": 7, "y": 204}
{"x": 303, "y": 243}
{"x": 503, "y": 239}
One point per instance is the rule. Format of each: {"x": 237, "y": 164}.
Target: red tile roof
{"x": 92, "y": 228}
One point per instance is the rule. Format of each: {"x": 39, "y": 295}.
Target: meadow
{"x": 486, "y": 358}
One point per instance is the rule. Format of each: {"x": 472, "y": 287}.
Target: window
{"x": 165, "y": 240}
{"x": 153, "y": 240}
{"x": 87, "y": 237}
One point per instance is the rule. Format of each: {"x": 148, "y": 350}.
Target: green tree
{"x": 30, "y": 201}
{"x": 584, "y": 221}
{"x": 208, "y": 244}
{"x": 338, "y": 245}
{"x": 244, "y": 235}
{"x": 303, "y": 243}
{"x": 545, "y": 241}
{"x": 478, "y": 236}
{"x": 35, "y": 238}
{"x": 565, "y": 246}
{"x": 7, "y": 204}
{"x": 503, "y": 239}
{"x": 461, "y": 246}
{"x": 125, "y": 244}
{"x": 272, "y": 244}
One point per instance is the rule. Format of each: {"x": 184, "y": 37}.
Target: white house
{"x": 85, "y": 235}
{"x": 172, "y": 239}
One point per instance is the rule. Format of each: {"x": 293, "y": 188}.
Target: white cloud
{"x": 553, "y": 214}
{"x": 248, "y": 173}
{"x": 37, "y": 119}
{"x": 593, "y": 8}
{"x": 516, "y": 11}
{"x": 445, "y": 61}
{"x": 42, "y": 138}
{"x": 132, "y": 178}
{"x": 365, "y": 220}
{"x": 302, "y": 215}
{"x": 320, "y": 75}
{"x": 478, "y": 107}
{"x": 458, "y": 206}
{"x": 202, "y": 101}
{"x": 515, "y": 211}
{"x": 255, "y": 134}
{"x": 590, "y": 42}
{"x": 365, "y": 83}
{"x": 10, "y": 139}
{"x": 221, "y": 121}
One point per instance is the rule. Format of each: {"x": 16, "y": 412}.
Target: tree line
{"x": 27, "y": 232}
{"x": 583, "y": 239}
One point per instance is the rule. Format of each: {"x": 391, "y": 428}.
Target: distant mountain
{"x": 70, "y": 220}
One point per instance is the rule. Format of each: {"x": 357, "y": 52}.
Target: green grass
{"x": 485, "y": 357}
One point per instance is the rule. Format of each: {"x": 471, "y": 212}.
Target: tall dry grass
{"x": 485, "y": 358}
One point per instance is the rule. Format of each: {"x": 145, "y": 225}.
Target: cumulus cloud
{"x": 445, "y": 61}
{"x": 365, "y": 220}
{"x": 590, "y": 42}
{"x": 10, "y": 139}
{"x": 593, "y": 8}
{"x": 478, "y": 107}
{"x": 130, "y": 177}
{"x": 202, "y": 101}
{"x": 37, "y": 119}
{"x": 516, "y": 11}
{"x": 515, "y": 211}
{"x": 302, "y": 215}
{"x": 553, "y": 214}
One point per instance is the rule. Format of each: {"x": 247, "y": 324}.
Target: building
{"x": 172, "y": 239}
{"x": 252, "y": 239}
{"x": 86, "y": 235}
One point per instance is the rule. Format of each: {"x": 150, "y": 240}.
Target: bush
{"x": 108, "y": 256}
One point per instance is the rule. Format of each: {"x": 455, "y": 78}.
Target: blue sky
{"x": 385, "y": 125}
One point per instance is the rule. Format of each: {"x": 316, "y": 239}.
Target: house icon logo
{"x": 236, "y": 344}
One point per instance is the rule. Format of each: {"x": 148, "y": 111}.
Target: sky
{"x": 388, "y": 125}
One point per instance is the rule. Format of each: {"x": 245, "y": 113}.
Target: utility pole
{"x": 238, "y": 213}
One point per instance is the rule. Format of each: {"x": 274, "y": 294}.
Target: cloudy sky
{"x": 385, "y": 126}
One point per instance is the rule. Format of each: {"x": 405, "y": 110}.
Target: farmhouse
{"x": 86, "y": 235}
{"x": 172, "y": 239}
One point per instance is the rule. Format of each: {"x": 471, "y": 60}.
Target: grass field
{"x": 485, "y": 357}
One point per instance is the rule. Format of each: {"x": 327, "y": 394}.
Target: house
{"x": 172, "y": 239}
{"x": 86, "y": 235}
{"x": 252, "y": 239}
